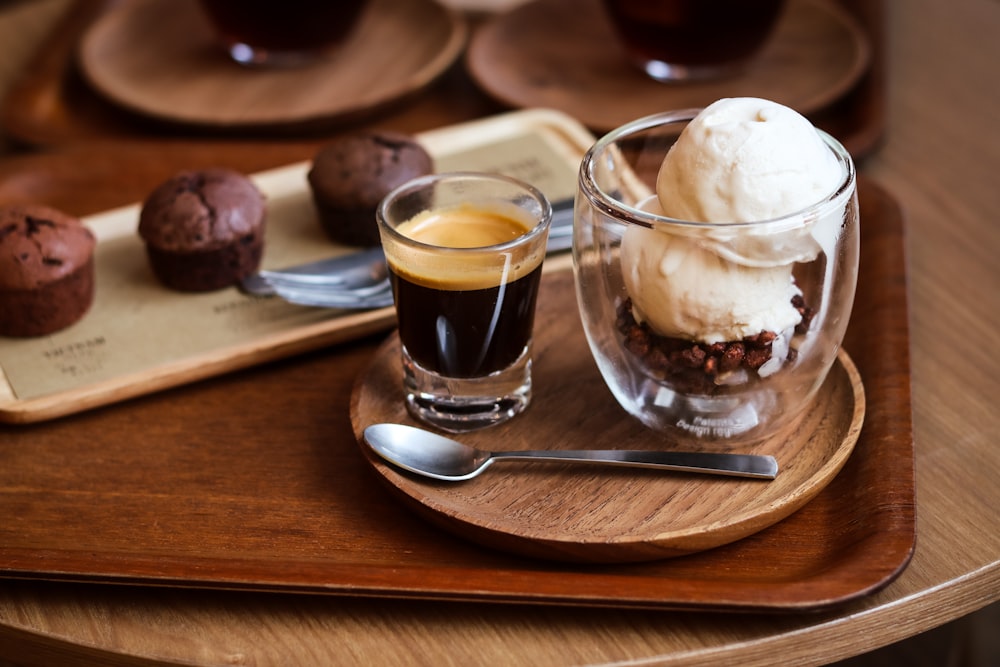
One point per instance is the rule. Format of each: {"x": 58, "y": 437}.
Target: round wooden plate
{"x": 159, "y": 58}
{"x": 562, "y": 54}
{"x": 603, "y": 514}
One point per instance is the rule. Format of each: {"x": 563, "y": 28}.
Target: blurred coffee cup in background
{"x": 691, "y": 40}
{"x": 285, "y": 33}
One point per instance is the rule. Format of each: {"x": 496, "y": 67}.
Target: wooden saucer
{"x": 605, "y": 515}
{"x": 159, "y": 58}
{"x": 562, "y": 54}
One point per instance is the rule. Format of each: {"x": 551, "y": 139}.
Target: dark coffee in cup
{"x": 471, "y": 322}
{"x": 268, "y": 29}
{"x": 695, "y": 37}
{"x": 466, "y": 333}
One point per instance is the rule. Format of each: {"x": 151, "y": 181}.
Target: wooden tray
{"x": 112, "y": 354}
{"x": 254, "y": 480}
{"x": 563, "y": 54}
{"x": 606, "y": 515}
{"x": 50, "y": 104}
{"x": 160, "y": 58}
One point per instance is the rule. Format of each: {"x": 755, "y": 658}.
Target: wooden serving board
{"x": 606, "y": 515}
{"x": 254, "y": 480}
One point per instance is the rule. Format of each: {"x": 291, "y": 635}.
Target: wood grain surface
{"x": 609, "y": 515}
{"x": 937, "y": 96}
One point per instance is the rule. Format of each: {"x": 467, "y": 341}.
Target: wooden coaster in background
{"x": 562, "y": 54}
{"x": 159, "y": 58}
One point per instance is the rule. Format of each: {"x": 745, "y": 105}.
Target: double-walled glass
{"x": 728, "y": 390}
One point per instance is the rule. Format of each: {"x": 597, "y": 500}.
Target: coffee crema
{"x": 463, "y": 228}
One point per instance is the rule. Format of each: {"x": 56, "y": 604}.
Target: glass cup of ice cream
{"x": 716, "y": 258}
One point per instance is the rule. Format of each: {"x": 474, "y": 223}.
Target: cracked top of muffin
{"x": 361, "y": 168}
{"x": 350, "y": 175}
{"x": 39, "y": 244}
{"x": 201, "y": 210}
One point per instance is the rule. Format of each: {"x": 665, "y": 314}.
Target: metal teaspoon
{"x": 436, "y": 456}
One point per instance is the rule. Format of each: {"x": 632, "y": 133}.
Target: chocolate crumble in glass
{"x": 701, "y": 368}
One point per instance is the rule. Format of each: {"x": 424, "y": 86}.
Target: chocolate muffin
{"x": 46, "y": 270}
{"x": 350, "y": 176}
{"x": 204, "y": 230}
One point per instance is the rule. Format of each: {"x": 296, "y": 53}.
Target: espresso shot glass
{"x": 464, "y": 252}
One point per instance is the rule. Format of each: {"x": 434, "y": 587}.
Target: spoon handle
{"x": 732, "y": 465}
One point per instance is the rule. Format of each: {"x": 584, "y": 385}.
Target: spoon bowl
{"x": 432, "y": 455}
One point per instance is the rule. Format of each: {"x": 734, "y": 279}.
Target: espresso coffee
{"x": 286, "y": 26}
{"x": 693, "y": 32}
{"x": 466, "y": 333}
{"x": 469, "y": 319}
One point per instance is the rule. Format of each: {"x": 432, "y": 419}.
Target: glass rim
{"x": 626, "y": 213}
{"x": 540, "y": 227}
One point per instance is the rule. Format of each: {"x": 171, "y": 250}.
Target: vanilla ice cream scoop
{"x": 746, "y": 159}
{"x": 740, "y": 160}
{"x": 683, "y": 290}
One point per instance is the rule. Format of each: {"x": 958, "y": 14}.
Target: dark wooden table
{"x": 939, "y": 160}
